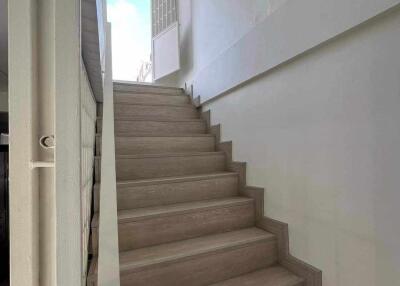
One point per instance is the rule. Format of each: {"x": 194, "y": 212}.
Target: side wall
{"x": 209, "y": 27}
{"x": 321, "y": 135}
{"x": 88, "y": 130}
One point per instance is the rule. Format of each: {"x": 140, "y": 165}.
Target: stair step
{"x": 136, "y": 167}
{"x": 126, "y": 111}
{"x": 157, "y": 126}
{"x": 131, "y": 145}
{"x": 143, "y": 88}
{"x": 150, "y": 99}
{"x": 272, "y": 276}
{"x": 162, "y": 224}
{"x": 164, "y": 191}
{"x": 199, "y": 261}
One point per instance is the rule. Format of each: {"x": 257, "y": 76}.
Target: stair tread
{"x": 185, "y": 105}
{"x": 163, "y": 155}
{"x": 166, "y": 180}
{"x": 137, "y": 259}
{"x": 156, "y": 119}
{"x": 127, "y": 93}
{"x": 132, "y": 102}
{"x": 122, "y": 135}
{"x": 176, "y": 179}
{"x": 158, "y": 134}
{"x": 117, "y": 83}
{"x": 272, "y": 276}
{"x": 190, "y": 247}
{"x": 125, "y": 216}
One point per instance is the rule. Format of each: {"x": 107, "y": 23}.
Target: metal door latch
{"x": 47, "y": 142}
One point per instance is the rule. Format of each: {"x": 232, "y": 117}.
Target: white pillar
{"x": 24, "y": 192}
{"x": 67, "y": 133}
{"x": 44, "y": 93}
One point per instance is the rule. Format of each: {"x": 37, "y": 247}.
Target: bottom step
{"x": 273, "y": 276}
{"x": 197, "y": 262}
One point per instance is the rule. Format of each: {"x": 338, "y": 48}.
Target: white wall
{"x": 321, "y": 134}
{"x": 209, "y": 27}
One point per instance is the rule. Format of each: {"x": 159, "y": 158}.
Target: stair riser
{"x": 126, "y": 111}
{"x": 207, "y": 269}
{"x": 157, "y": 145}
{"x": 157, "y": 127}
{"x": 147, "y": 89}
{"x": 126, "y": 98}
{"x": 179, "y": 192}
{"x": 157, "y": 167}
{"x": 169, "y": 228}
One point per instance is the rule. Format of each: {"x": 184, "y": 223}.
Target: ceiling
{"x": 3, "y": 37}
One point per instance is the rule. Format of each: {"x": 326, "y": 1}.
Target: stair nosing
{"x": 116, "y": 82}
{"x": 128, "y": 267}
{"x": 165, "y": 155}
{"x": 157, "y": 119}
{"x": 170, "y": 180}
{"x": 155, "y": 134}
{"x": 149, "y": 117}
{"x": 127, "y": 92}
{"x": 147, "y": 92}
{"x": 132, "y": 101}
{"x": 131, "y": 267}
{"x": 168, "y": 210}
{"x": 118, "y": 135}
{"x": 185, "y": 105}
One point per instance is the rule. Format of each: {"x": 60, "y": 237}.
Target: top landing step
{"x": 128, "y": 86}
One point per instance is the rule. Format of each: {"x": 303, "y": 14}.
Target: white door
{"x": 165, "y": 41}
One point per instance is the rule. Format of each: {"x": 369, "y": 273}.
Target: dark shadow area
{"x": 4, "y": 190}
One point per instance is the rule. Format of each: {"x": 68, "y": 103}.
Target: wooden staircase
{"x": 185, "y": 215}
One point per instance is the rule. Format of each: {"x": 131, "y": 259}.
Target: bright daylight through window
{"x": 131, "y": 39}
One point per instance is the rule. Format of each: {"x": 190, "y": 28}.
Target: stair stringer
{"x": 311, "y": 274}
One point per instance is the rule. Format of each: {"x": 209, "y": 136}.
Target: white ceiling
{"x": 3, "y": 36}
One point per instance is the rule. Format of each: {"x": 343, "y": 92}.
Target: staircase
{"x": 183, "y": 219}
